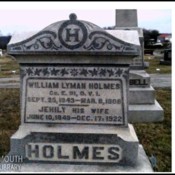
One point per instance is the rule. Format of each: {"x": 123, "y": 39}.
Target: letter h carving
{"x": 70, "y": 34}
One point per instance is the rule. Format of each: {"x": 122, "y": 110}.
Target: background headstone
{"x": 143, "y": 105}
{"x": 167, "y": 57}
{"x": 126, "y": 18}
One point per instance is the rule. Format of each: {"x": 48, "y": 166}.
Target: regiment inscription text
{"x": 90, "y": 98}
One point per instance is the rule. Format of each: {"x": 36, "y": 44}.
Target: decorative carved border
{"x": 48, "y": 41}
{"x": 96, "y": 40}
{"x": 73, "y": 72}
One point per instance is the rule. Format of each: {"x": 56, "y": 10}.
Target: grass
{"x": 154, "y": 64}
{"x": 7, "y": 65}
{"x": 155, "y": 137}
{"x": 9, "y": 117}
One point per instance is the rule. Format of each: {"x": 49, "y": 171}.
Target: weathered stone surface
{"x": 72, "y": 37}
{"x": 79, "y": 59}
{"x": 142, "y": 166}
{"x": 18, "y": 37}
{"x": 138, "y": 62}
{"x": 145, "y": 113}
{"x": 34, "y": 137}
{"x": 142, "y": 95}
{"x": 161, "y": 80}
{"x": 139, "y": 78}
{"x": 138, "y": 29}
{"x": 129, "y": 36}
{"x": 75, "y": 94}
{"x": 126, "y": 18}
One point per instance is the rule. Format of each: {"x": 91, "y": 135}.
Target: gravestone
{"x": 126, "y": 18}
{"x": 143, "y": 107}
{"x": 74, "y": 100}
{"x": 166, "y": 57}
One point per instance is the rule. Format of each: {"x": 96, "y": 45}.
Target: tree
{"x": 154, "y": 34}
{"x": 4, "y": 40}
{"x": 147, "y": 37}
{"x": 150, "y": 35}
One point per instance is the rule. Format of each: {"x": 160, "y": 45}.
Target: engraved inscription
{"x": 75, "y": 94}
{"x": 73, "y": 152}
{"x": 74, "y": 34}
{"x": 141, "y": 82}
{"x": 74, "y": 101}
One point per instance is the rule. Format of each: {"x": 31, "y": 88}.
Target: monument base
{"x": 67, "y": 144}
{"x": 143, "y": 107}
{"x": 145, "y": 113}
{"x": 142, "y": 165}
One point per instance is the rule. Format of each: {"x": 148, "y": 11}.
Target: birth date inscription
{"x": 76, "y": 100}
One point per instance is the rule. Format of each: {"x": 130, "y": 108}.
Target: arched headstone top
{"x": 71, "y": 37}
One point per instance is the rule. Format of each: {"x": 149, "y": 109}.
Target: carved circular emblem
{"x": 72, "y": 34}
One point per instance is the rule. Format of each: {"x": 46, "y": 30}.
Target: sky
{"x": 21, "y": 17}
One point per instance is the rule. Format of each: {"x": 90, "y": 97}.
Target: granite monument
{"x": 75, "y": 100}
{"x": 143, "y": 107}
